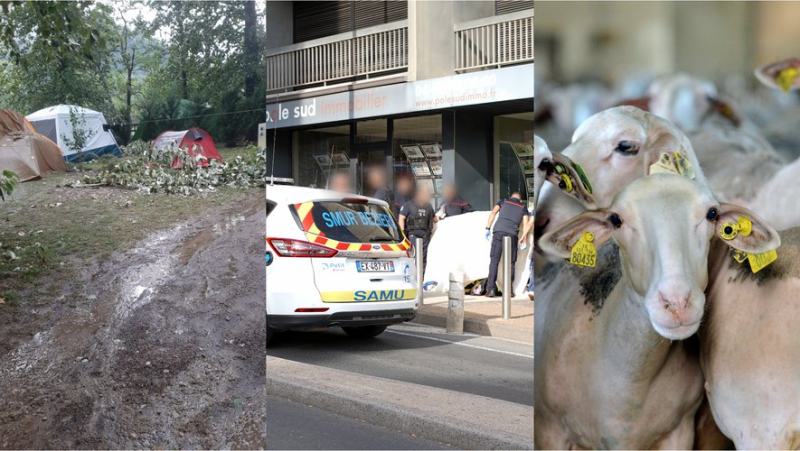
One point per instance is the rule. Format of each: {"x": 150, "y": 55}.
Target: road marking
{"x": 460, "y": 343}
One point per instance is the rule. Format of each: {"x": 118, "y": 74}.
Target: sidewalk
{"x": 483, "y": 316}
{"x": 463, "y": 420}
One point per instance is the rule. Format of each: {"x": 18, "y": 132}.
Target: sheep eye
{"x": 712, "y": 214}
{"x": 545, "y": 164}
{"x": 615, "y": 221}
{"x": 627, "y": 148}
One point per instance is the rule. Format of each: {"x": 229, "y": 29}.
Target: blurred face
{"x": 376, "y": 179}
{"x": 403, "y": 185}
{"x": 423, "y": 195}
{"x": 341, "y": 183}
{"x": 449, "y": 192}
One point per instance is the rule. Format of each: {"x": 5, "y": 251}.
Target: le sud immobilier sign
{"x": 497, "y": 85}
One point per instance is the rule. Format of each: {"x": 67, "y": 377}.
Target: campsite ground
{"x": 131, "y": 320}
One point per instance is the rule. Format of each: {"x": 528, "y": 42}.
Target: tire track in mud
{"x": 164, "y": 348}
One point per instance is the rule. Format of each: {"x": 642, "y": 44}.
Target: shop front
{"x": 456, "y": 129}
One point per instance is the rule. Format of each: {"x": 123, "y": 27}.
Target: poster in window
{"x": 523, "y": 150}
{"x": 412, "y": 152}
{"x": 324, "y": 161}
{"x": 432, "y": 150}
{"x": 420, "y": 169}
{"x": 529, "y": 184}
{"x": 436, "y": 167}
{"x": 527, "y": 166}
{"x": 340, "y": 159}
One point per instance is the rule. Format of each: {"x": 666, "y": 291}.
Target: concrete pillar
{"x": 455, "y": 304}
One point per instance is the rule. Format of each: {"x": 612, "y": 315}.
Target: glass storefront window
{"x": 371, "y": 148}
{"x": 320, "y": 153}
{"x": 416, "y": 132}
{"x": 513, "y": 163}
{"x": 416, "y": 150}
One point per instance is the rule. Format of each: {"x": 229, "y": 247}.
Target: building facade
{"x": 438, "y": 90}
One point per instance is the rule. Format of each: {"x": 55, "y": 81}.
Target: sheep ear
{"x": 559, "y": 242}
{"x": 725, "y": 109}
{"x": 570, "y": 178}
{"x": 783, "y": 75}
{"x": 744, "y": 231}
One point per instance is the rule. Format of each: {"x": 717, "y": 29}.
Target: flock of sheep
{"x": 663, "y": 317}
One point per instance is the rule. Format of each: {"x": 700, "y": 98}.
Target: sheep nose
{"x": 676, "y": 301}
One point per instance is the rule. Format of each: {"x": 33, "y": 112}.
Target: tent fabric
{"x": 30, "y": 155}
{"x": 47, "y": 128}
{"x": 100, "y": 142}
{"x": 24, "y": 151}
{"x": 194, "y": 140}
{"x": 11, "y": 121}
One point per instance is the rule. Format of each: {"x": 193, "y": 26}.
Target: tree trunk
{"x": 128, "y": 97}
{"x": 250, "y": 50}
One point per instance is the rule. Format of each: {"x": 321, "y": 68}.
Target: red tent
{"x": 195, "y": 140}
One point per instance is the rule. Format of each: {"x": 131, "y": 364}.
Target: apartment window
{"x": 511, "y": 6}
{"x": 318, "y": 19}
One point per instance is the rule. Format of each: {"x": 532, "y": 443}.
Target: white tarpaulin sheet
{"x": 459, "y": 244}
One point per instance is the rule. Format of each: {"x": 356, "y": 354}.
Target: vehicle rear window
{"x": 352, "y": 222}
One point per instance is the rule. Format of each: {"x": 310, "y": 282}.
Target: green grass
{"x": 229, "y": 153}
{"x": 49, "y": 228}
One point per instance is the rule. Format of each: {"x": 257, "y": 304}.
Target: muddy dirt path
{"x": 161, "y": 346}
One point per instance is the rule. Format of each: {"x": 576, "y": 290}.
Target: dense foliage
{"x": 195, "y": 64}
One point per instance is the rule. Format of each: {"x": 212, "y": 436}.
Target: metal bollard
{"x": 455, "y": 304}
{"x": 420, "y": 269}
{"x": 507, "y": 277}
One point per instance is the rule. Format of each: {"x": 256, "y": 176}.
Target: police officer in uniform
{"x": 453, "y": 204}
{"x": 417, "y": 218}
{"x": 510, "y": 213}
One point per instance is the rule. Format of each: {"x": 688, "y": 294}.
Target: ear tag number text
{"x": 584, "y": 254}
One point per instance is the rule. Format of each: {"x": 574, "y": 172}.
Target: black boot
{"x": 491, "y": 293}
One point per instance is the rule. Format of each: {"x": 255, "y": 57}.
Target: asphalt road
{"x": 485, "y": 366}
{"x": 296, "y": 426}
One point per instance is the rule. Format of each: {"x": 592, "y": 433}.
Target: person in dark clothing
{"x": 376, "y": 184}
{"x": 402, "y": 193}
{"x": 510, "y": 213}
{"x": 417, "y": 219}
{"x": 453, "y": 204}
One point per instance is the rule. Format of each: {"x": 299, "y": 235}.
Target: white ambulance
{"x": 335, "y": 260}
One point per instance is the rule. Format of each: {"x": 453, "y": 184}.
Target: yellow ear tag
{"x": 583, "y": 252}
{"x": 728, "y": 231}
{"x": 761, "y": 261}
{"x": 738, "y": 255}
{"x": 664, "y": 165}
{"x": 684, "y": 165}
{"x": 567, "y": 183}
{"x": 745, "y": 225}
{"x": 786, "y": 77}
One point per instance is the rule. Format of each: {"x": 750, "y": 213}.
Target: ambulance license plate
{"x": 375, "y": 266}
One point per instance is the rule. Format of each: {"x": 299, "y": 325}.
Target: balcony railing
{"x": 366, "y": 52}
{"x": 494, "y": 41}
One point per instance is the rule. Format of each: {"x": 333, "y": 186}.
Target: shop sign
{"x": 496, "y": 85}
